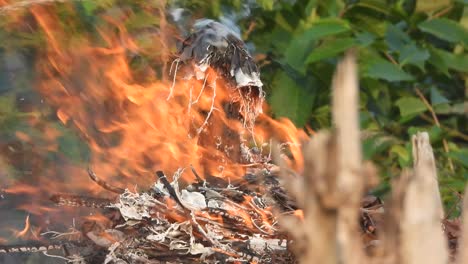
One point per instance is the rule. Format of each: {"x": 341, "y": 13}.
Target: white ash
{"x": 135, "y": 206}
{"x": 195, "y": 199}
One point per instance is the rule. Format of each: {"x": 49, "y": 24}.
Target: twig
{"x": 104, "y": 184}
{"x": 200, "y": 129}
{"x": 436, "y": 121}
{"x": 199, "y": 95}
{"x": 55, "y": 234}
{"x": 56, "y": 256}
{"x": 199, "y": 179}
{"x": 442, "y": 12}
{"x": 251, "y": 27}
{"x": 171, "y": 91}
{"x": 200, "y": 229}
{"x": 169, "y": 187}
{"x": 451, "y": 131}
{"x": 79, "y": 201}
{"x": 259, "y": 228}
{"x": 390, "y": 58}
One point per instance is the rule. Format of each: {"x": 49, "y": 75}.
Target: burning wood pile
{"x": 208, "y": 222}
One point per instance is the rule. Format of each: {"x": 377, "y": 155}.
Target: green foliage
{"x": 380, "y": 68}
{"x": 296, "y": 98}
{"x": 410, "y": 106}
{"x": 403, "y": 45}
{"x": 445, "y": 29}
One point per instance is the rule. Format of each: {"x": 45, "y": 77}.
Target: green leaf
{"x": 396, "y": 39}
{"x": 290, "y": 100}
{"x": 382, "y": 69}
{"x": 266, "y": 4}
{"x": 90, "y": 6}
{"x": 437, "y": 97}
{"x": 332, "y": 8}
{"x": 430, "y": 6}
{"x": 446, "y": 109}
{"x": 365, "y": 38}
{"x": 443, "y": 108}
{"x": 374, "y": 5}
{"x": 402, "y": 153}
{"x": 410, "y": 106}
{"x": 376, "y": 144}
{"x": 322, "y": 115}
{"x": 411, "y": 54}
{"x": 311, "y": 6}
{"x": 282, "y": 22}
{"x": 435, "y": 134}
{"x": 445, "y": 29}
{"x": 327, "y": 27}
{"x": 460, "y": 156}
{"x": 444, "y": 60}
{"x": 330, "y": 48}
{"x": 301, "y": 45}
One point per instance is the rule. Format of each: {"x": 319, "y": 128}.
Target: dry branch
{"x": 422, "y": 237}
{"x": 103, "y": 184}
{"x": 350, "y": 183}
{"x": 331, "y": 191}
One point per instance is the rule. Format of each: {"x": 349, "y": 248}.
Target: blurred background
{"x": 413, "y": 66}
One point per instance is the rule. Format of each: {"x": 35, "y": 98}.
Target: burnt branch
{"x": 73, "y": 200}
{"x": 168, "y": 186}
{"x": 104, "y": 184}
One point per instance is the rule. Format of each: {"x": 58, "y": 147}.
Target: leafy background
{"x": 413, "y": 68}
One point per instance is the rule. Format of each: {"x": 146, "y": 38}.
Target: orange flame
{"x": 136, "y": 123}
{"x": 299, "y": 214}
{"x": 25, "y": 230}
{"x": 133, "y": 129}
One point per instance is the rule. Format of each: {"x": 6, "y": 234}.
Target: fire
{"x": 299, "y": 214}
{"x": 22, "y": 189}
{"x": 136, "y": 123}
{"x": 25, "y": 230}
{"x": 135, "y": 128}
